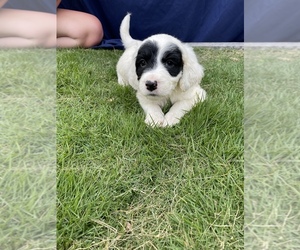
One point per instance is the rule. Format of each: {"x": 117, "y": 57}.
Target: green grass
{"x": 272, "y": 207}
{"x": 124, "y": 185}
{"x": 27, "y": 149}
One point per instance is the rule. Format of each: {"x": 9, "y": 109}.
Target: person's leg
{"x": 77, "y": 29}
{"x": 2, "y": 2}
{"x": 22, "y": 28}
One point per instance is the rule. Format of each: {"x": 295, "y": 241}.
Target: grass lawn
{"x": 124, "y": 185}
{"x": 27, "y": 149}
{"x": 272, "y": 146}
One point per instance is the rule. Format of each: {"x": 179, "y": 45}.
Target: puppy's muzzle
{"x": 151, "y": 85}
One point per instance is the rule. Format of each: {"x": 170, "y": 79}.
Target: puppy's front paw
{"x": 201, "y": 93}
{"x": 155, "y": 120}
{"x": 170, "y": 120}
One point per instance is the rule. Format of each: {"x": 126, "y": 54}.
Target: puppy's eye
{"x": 169, "y": 63}
{"x": 143, "y": 63}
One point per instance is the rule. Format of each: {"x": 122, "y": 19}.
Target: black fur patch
{"x": 172, "y": 60}
{"x": 146, "y": 58}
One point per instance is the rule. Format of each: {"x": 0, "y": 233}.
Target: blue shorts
{"x": 34, "y": 5}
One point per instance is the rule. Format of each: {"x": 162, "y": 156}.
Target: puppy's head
{"x": 159, "y": 65}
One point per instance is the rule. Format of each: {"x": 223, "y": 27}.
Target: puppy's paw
{"x": 155, "y": 120}
{"x": 201, "y": 94}
{"x": 170, "y": 120}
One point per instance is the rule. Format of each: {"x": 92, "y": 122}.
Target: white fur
{"x": 183, "y": 90}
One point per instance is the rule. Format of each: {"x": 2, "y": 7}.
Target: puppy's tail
{"x": 127, "y": 40}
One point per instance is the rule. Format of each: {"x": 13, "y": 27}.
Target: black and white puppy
{"x": 160, "y": 68}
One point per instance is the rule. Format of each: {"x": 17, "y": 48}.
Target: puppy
{"x": 160, "y": 68}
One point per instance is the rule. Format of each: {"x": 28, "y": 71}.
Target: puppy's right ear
{"x": 192, "y": 72}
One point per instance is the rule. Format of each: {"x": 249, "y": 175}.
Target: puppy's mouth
{"x": 154, "y": 96}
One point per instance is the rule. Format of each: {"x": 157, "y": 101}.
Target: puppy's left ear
{"x": 193, "y": 72}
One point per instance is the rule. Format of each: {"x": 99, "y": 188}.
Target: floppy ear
{"x": 192, "y": 72}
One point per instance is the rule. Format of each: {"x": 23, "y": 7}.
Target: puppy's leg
{"x": 177, "y": 111}
{"x": 152, "y": 109}
{"x": 154, "y": 116}
{"x": 182, "y": 106}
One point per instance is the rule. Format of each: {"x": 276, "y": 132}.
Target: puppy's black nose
{"x": 151, "y": 85}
